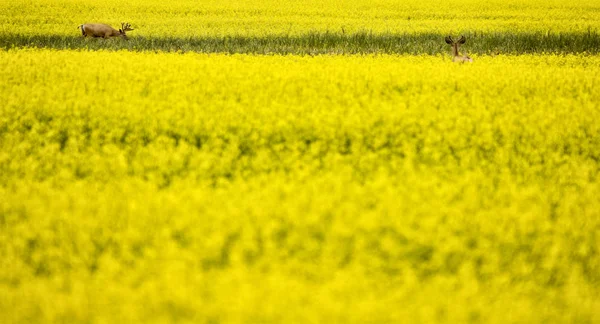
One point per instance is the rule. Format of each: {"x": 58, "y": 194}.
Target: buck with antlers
{"x": 455, "y": 44}
{"x": 104, "y": 31}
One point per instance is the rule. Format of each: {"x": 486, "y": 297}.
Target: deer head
{"x": 455, "y": 44}
{"x": 125, "y": 27}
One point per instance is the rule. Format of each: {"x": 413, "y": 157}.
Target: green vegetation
{"x": 324, "y": 43}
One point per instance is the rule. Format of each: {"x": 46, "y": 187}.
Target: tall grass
{"x": 323, "y": 43}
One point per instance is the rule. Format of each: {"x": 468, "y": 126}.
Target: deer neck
{"x": 455, "y": 50}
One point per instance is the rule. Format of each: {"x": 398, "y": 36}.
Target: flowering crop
{"x": 191, "y": 18}
{"x": 309, "y": 27}
{"x": 163, "y": 187}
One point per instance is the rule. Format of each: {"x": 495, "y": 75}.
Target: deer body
{"x": 104, "y": 31}
{"x": 456, "y": 57}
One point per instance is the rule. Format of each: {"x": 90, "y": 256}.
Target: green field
{"x": 325, "y": 43}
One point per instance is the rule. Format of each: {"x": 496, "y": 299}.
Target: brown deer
{"x": 104, "y": 31}
{"x": 455, "y": 56}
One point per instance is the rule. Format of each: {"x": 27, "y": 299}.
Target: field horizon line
{"x": 323, "y": 43}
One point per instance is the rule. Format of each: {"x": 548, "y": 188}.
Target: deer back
{"x": 99, "y": 30}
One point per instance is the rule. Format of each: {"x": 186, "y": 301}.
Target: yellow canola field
{"x": 164, "y": 187}
{"x": 191, "y": 18}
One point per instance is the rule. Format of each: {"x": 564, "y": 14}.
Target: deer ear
{"x": 462, "y": 40}
{"x": 121, "y": 31}
{"x": 448, "y": 40}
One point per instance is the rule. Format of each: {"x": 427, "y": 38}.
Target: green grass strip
{"x": 324, "y": 43}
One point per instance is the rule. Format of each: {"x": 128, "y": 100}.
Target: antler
{"x": 449, "y": 40}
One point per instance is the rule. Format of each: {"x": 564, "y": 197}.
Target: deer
{"x": 104, "y": 31}
{"x": 455, "y": 44}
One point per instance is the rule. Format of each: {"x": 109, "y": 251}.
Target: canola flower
{"x": 309, "y": 27}
{"x": 190, "y": 18}
{"x": 163, "y": 187}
